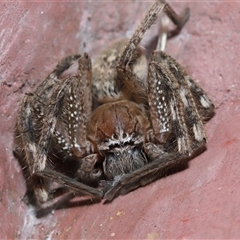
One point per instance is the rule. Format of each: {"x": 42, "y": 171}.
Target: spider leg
{"x": 38, "y": 139}
{"x": 72, "y": 184}
{"x": 149, "y": 19}
{"x": 162, "y": 162}
{"x": 194, "y": 102}
{"x": 178, "y": 20}
{"x": 30, "y": 121}
{"x": 75, "y": 110}
{"x": 169, "y": 77}
{"x": 45, "y": 89}
{"x": 166, "y": 106}
{"x": 132, "y": 64}
{"x": 204, "y": 104}
{"x": 26, "y": 141}
{"x": 71, "y": 107}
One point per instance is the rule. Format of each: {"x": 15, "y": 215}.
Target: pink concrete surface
{"x": 202, "y": 201}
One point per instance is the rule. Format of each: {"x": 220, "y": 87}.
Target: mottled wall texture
{"x": 203, "y": 201}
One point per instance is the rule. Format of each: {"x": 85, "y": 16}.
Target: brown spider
{"x": 147, "y": 117}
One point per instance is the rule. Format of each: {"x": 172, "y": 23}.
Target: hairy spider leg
{"x": 37, "y": 148}
{"x": 128, "y": 61}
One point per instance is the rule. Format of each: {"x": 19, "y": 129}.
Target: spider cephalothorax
{"x": 111, "y": 128}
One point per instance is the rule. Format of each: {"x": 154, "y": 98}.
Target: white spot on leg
{"x": 183, "y": 97}
{"x": 41, "y": 194}
{"x": 32, "y": 147}
{"x": 43, "y": 163}
{"x": 199, "y": 136}
{"x": 204, "y": 102}
{"x": 76, "y": 145}
{"x": 172, "y": 110}
{"x": 180, "y": 142}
